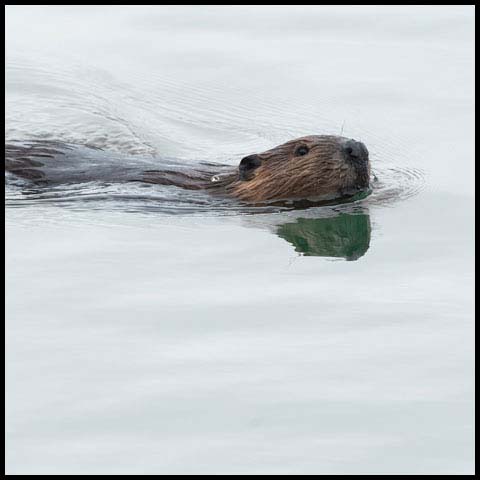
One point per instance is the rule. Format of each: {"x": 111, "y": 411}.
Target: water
{"x": 154, "y": 332}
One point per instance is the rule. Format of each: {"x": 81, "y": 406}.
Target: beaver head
{"x": 312, "y": 167}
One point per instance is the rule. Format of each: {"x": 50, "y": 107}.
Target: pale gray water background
{"x": 142, "y": 339}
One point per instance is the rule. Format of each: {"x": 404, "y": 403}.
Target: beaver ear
{"x": 248, "y": 165}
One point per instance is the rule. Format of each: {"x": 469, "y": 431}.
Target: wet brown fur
{"x": 321, "y": 173}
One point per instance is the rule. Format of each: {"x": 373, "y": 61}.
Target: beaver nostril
{"x": 355, "y": 151}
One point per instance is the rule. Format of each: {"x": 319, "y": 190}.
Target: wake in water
{"x": 144, "y": 116}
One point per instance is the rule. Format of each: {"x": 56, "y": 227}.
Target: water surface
{"x": 151, "y": 332}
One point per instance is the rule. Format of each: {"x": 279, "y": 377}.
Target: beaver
{"x": 310, "y": 167}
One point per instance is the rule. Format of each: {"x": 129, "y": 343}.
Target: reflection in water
{"x": 344, "y": 236}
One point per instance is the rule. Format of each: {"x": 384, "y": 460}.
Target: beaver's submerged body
{"x": 313, "y": 167}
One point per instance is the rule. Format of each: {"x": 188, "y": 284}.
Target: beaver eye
{"x": 302, "y": 150}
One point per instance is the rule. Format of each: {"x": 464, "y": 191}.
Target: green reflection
{"x": 344, "y": 236}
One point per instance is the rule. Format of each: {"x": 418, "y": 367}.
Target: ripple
{"x": 392, "y": 184}
{"x": 128, "y": 198}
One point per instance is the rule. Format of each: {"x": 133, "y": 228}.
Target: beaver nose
{"x": 355, "y": 152}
